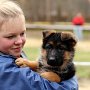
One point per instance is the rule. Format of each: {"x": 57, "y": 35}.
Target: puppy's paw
{"x": 51, "y": 76}
{"x": 20, "y": 62}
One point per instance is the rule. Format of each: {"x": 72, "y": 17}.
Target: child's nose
{"x": 19, "y": 40}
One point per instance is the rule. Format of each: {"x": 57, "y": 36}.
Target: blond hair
{"x": 9, "y": 9}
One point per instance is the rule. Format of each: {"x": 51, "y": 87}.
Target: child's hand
{"x": 21, "y": 62}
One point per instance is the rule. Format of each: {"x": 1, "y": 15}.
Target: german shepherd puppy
{"x": 56, "y": 60}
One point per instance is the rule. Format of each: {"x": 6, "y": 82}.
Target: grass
{"x": 82, "y": 56}
{"x": 32, "y": 53}
{"x": 83, "y": 72}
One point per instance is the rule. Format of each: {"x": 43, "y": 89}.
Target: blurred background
{"x": 54, "y": 10}
{"x": 58, "y": 15}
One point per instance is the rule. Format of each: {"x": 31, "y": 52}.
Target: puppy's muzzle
{"x": 54, "y": 57}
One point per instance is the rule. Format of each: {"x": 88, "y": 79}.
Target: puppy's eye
{"x": 58, "y": 45}
{"x": 48, "y": 46}
{"x": 63, "y": 47}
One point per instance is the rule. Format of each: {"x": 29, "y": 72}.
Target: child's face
{"x": 12, "y": 36}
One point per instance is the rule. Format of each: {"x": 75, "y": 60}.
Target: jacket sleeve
{"x": 36, "y": 82}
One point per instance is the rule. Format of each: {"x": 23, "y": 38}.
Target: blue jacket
{"x": 14, "y": 78}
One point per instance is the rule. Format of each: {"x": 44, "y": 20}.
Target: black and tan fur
{"x": 56, "y": 60}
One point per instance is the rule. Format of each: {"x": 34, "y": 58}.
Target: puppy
{"x": 56, "y": 60}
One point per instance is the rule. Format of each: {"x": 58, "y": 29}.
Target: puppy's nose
{"x": 52, "y": 58}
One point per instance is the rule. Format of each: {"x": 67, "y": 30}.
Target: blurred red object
{"x": 78, "y": 20}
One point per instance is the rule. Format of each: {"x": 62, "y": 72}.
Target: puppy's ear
{"x": 69, "y": 38}
{"x": 46, "y": 33}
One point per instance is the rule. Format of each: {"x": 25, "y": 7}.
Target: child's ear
{"x": 69, "y": 38}
{"x": 46, "y": 33}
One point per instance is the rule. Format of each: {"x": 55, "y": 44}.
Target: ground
{"x": 84, "y": 84}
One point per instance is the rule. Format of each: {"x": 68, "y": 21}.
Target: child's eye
{"x": 10, "y": 37}
{"x": 21, "y": 34}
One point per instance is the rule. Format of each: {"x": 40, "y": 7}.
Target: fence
{"x": 56, "y": 27}
{"x": 82, "y": 63}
